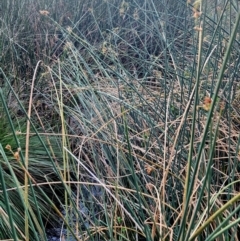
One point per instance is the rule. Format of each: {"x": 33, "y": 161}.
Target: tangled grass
{"x": 133, "y": 116}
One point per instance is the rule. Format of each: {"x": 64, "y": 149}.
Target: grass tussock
{"x": 119, "y": 120}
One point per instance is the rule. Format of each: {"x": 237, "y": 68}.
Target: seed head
{"x": 44, "y": 12}
{"x": 8, "y": 147}
{"x": 16, "y": 156}
{"x": 207, "y": 103}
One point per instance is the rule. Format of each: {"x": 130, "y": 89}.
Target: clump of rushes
{"x": 133, "y": 134}
{"x": 40, "y": 173}
{"x": 133, "y": 91}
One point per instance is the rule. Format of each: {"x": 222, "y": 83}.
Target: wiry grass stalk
{"x": 9, "y": 211}
{"x": 27, "y": 152}
{"x": 188, "y": 183}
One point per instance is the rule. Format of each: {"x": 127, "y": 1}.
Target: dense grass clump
{"x": 119, "y": 119}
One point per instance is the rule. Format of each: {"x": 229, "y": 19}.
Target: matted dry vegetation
{"x": 134, "y": 122}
